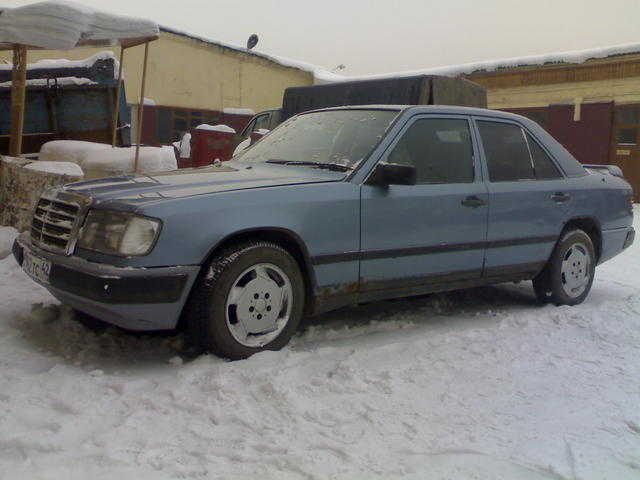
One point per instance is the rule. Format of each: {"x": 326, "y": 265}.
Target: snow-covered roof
{"x": 285, "y": 62}
{"x": 64, "y": 25}
{"x": 59, "y": 63}
{"x": 321, "y": 75}
{"x": 42, "y": 82}
{"x": 78, "y": 70}
{"x": 489, "y": 66}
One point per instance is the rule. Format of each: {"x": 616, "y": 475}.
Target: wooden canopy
{"x": 86, "y": 40}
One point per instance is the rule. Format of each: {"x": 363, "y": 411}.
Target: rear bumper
{"x": 131, "y": 298}
{"x": 615, "y": 241}
{"x": 631, "y": 235}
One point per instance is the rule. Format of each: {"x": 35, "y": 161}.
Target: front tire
{"x": 568, "y": 276}
{"x": 249, "y": 298}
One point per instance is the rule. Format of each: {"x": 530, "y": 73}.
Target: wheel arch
{"x": 286, "y": 239}
{"x": 591, "y": 227}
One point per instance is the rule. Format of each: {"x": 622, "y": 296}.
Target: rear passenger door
{"x": 433, "y": 232}
{"x": 526, "y": 198}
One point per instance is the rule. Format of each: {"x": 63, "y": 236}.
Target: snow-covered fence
{"x": 21, "y": 183}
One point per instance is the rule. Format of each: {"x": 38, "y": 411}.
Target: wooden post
{"x": 141, "y": 106}
{"x": 118, "y": 94}
{"x": 18, "y": 95}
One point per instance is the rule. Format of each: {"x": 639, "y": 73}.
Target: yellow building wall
{"x": 619, "y": 90}
{"x": 186, "y": 72}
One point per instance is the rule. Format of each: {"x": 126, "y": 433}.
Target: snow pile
{"x": 7, "y": 235}
{"x": 121, "y": 160}
{"x": 69, "y": 150}
{"x": 43, "y": 82}
{"x": 184, "y": 146}
{"x": 61, "y": 25}
{"x": 62, "y": 63}
{"x": 216, "y": 128}
{"x": 101, "y": 157}
{"x": 61, "y": 168}
{"x": 480, "y": 384}
{"x": 239, "y": 111}
{"x": 147, "y": 101}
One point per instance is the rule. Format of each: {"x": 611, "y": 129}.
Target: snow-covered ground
{"x": 478, "y": 384}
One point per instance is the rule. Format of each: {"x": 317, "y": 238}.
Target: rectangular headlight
{"x": 118, "y": 233}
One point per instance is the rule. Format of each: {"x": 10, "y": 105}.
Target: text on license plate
{"x": 37, "y": 267}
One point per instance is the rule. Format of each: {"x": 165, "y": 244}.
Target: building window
{"x": 185, "y": 120}
{"x": 630, "y": 114}
{"x": 627, "y": 124}
{"x": 626, "y": 136}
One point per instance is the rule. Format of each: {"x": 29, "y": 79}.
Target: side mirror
{"x": 392, "y": 174}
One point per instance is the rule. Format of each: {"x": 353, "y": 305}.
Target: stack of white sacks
{"x": 101, "y": 160}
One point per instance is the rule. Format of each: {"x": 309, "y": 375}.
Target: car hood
{"x": 229, "y": 176}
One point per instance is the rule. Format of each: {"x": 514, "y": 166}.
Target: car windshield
{"x": 336, "y": 139}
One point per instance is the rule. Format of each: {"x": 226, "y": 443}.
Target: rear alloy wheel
{"x": 249, "y": 298}
{"x": 567, "y": 277}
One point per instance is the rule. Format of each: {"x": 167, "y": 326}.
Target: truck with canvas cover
{"x": 414, "y": 90}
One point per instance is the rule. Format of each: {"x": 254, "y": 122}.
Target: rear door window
{"x": 506, "y": 151}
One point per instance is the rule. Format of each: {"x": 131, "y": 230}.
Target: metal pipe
{"x": 18, "y": 96}
{"x": 118, "y": 94}
{"x": 141, "y": 107}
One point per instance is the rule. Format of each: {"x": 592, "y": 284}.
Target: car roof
{"x": 568, "y": 163}
{"x": 452, "y": 109}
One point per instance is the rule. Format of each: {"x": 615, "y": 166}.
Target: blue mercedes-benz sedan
{"x": 334, "y": 207}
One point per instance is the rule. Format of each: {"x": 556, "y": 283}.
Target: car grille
{"x": 54, "y": 225}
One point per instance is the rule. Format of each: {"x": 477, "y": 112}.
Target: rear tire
{"x": 568, "y": 276}
{"x": 248, "y": 298}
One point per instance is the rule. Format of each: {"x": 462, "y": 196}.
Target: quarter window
{"x": 440, "y": 149}
{"x": 544, "y": 166}
{"x": 506, "y": 152}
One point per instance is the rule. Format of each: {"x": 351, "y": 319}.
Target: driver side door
{"x": 415, "y": 238}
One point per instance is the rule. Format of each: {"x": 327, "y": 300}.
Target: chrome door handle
{"x": 473, "y": 201}
{"x": 560, "y": 197}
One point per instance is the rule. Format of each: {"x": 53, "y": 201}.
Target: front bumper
{"x": 131, "y": 298}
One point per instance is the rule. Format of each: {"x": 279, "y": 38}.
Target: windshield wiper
{"x": 328, "y": 166}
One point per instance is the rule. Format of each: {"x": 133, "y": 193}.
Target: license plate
{"x": 37, "y": 267}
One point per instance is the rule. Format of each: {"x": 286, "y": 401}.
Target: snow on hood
{"x": 62, "y": 25}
